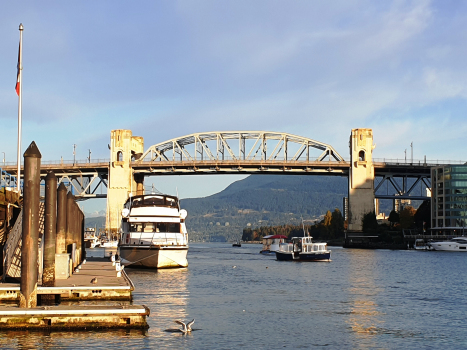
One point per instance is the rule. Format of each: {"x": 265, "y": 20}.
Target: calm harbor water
{"x": 362, "y": 299}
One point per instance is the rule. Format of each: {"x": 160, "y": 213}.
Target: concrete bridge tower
{"x": 361, "y": 177}
{"x": 123, "y": 149}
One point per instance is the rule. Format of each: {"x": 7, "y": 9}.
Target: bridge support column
{"x": 361, "y": 177}
{"x": 124, "y": 148}
{"x": 139, "y": 179}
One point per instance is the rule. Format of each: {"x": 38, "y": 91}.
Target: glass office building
{"x": 449, "y": 199}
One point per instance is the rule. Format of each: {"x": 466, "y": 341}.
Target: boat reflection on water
{"x": 165, "y": 292}
{"x": 364, "y": 317}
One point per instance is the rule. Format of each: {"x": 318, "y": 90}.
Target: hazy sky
{"x": 165, "y": 69}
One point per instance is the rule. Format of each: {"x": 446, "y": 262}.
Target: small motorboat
{"x": 236, "y": 244}
{"x": 420, "y": 244}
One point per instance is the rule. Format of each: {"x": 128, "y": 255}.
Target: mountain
{"x": 95, "y": 214}
{"x": 94, "y": 221}
{"x": 263, "y": 200}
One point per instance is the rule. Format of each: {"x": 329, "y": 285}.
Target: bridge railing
{"x": 390, "y": 161}
{"x": 424, "y": 162}
{"x": 6, "y": 179}
{"x": 64, "y": 162}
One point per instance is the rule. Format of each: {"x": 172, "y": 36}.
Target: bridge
{"x": 240, "y": 152}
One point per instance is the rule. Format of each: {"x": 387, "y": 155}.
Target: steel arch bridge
{"x": 234, "y": 152}
{"x": 240, "y": 146}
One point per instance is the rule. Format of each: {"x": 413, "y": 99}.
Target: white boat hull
{"x": 449, "y": 247}
{"x": 158, "y": 257}
{"x": 111, "y": 244}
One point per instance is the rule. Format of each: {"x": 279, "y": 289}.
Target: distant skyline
{"x": 165, "y": 69}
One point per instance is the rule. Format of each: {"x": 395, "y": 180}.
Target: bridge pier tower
{"x": 361, "y": 177}
{"x": 124, "y": 147}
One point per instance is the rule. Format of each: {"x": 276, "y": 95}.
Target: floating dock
{"x": 74, "y": 317}
{"x": 79, "y": 287}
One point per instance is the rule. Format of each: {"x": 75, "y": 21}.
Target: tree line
{"x": 409, "y": 218}
{"x": 331, "y": 227}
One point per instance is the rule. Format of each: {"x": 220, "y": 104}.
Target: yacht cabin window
{"x": 155, "y": 227}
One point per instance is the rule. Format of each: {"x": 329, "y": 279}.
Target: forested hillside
{"x": 263, "y": 200}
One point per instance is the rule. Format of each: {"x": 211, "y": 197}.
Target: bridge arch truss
{"x": 240, "y": 146}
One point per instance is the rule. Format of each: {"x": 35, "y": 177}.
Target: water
{"x": 363, "y": 299}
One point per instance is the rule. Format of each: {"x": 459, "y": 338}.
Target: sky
{"x": 166, "y": 69}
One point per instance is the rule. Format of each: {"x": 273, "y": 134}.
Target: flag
{"x": 18, "y": 75}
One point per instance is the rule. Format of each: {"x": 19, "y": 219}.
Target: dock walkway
{"x": 79, "y": 286}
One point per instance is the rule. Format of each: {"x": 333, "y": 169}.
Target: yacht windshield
{"x": 155, "y": 227}
{"x": 155, "y": 200}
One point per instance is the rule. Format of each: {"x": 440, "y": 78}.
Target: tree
{"x": 422, "y": 217}
{"x": 337, "y": 223}
{"x": 247, "y": 235}
{"x": 406, "y": 217}
{"x": 327, "y": 223}
{"x": 369, "y": 223}
{"x": 394, "y": 218}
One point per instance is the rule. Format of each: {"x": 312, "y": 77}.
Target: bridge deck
{"x": 234, "y": 166}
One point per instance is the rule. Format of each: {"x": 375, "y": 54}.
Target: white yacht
{"x": 153, "y": 234}
{"x": 458, "y": 244}
{"x": 90, "y": 238}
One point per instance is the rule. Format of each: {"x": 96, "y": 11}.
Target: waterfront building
{"x": 449, "y": 200}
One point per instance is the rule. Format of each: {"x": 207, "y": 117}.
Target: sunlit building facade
{"x": 449, "y": 199}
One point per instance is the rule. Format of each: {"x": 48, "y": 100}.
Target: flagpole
{"x": 20, "y": 96}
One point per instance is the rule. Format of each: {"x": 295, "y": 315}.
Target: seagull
{"x": 185, "y": 327}
{"x": 94, "y": 280}
{"x": 234, "y": 267}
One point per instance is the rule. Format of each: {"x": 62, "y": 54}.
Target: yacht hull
{"x": 449, "y": 247}
{"x": 156, "y": 257}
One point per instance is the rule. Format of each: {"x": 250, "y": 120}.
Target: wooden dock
{"x": 74, "y": 317}
{"x": 79, "y": 287}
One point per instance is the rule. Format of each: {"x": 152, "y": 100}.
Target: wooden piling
{"x": 50, "y": 228}
{"x": 61, "y": 219}
{"x": 69, "y": 239}
{"x": 30, "y": 234}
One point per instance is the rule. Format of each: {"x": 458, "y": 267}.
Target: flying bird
{"x": 185, "y": 327}
{"x": 94, "y": 280}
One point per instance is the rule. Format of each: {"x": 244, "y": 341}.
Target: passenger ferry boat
{"x": 458, "y": 244}
{"x": 153, "y": 234}
{"x": 303, "y": 249}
